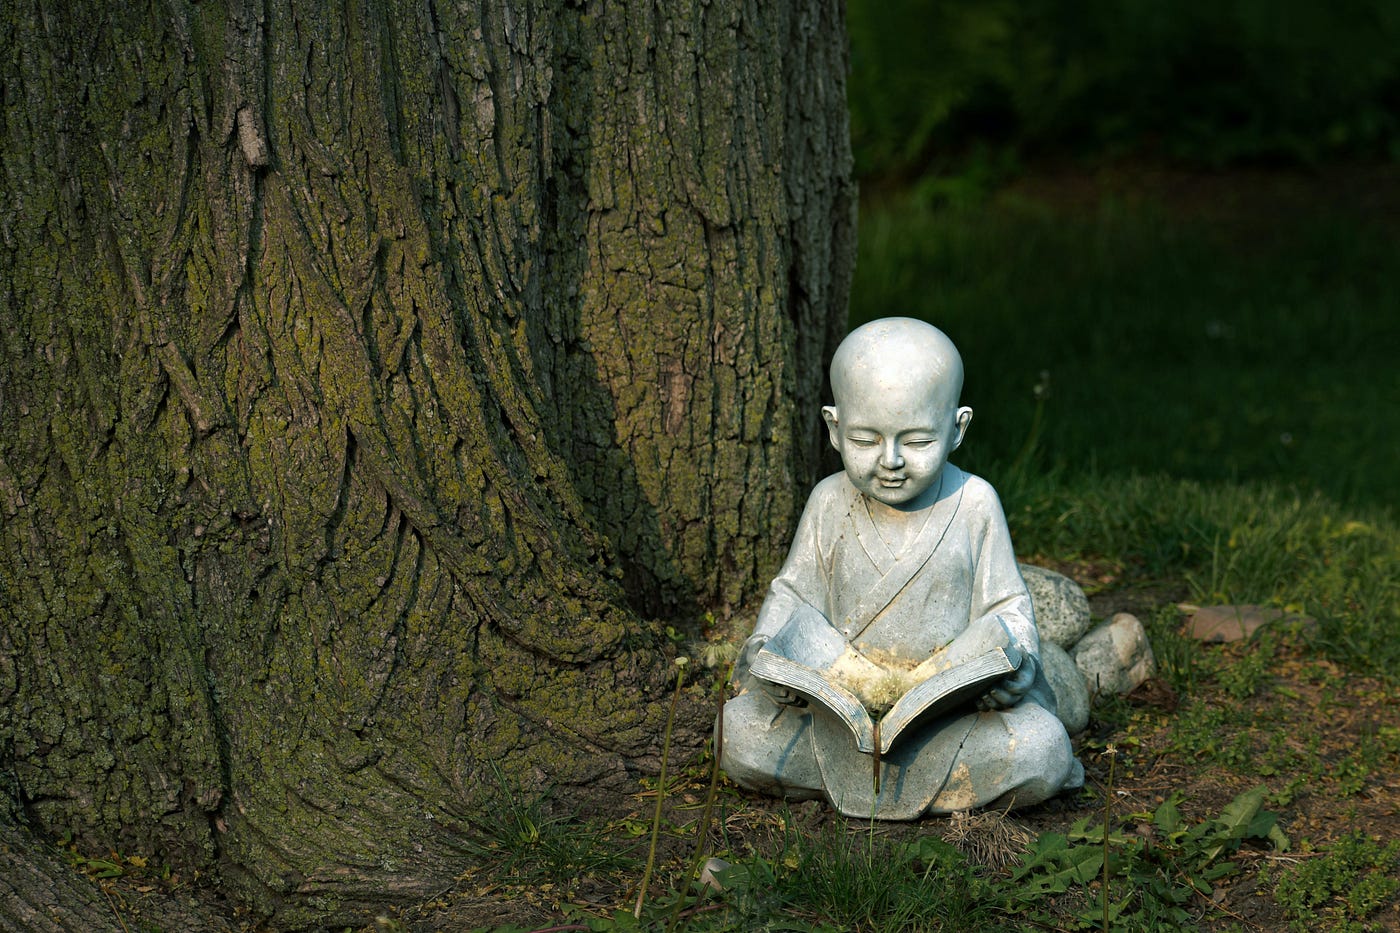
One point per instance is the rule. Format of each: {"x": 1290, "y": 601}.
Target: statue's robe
{"x": 911, "y": 600}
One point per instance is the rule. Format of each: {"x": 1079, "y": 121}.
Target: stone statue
{"x": 900, "y": 554}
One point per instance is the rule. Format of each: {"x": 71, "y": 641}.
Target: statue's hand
{"x": 747, "y": 653}
{"x": 783, "y": 696}
{"x": 1009, "y": 691}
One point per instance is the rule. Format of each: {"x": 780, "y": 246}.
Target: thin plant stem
{"x": 116, "y": 913}
{"x": 1023, "y": 456}
{"x": 707, "y": 812}
{"x": 1107, "y": 806}
{"x": 661, "y": 786}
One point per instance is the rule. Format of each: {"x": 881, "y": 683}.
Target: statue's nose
{"x": 892, "y": 459}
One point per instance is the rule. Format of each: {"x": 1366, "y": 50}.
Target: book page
{"x": 809, "y": 656}
{"x": 816, "y": 687}
{"x": 946, "y": 691}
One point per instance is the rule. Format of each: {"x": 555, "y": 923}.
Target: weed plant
{"x": 1147, "y": 876}
{"x": 528, "y": 847}
{"x": 1341, "y": 888}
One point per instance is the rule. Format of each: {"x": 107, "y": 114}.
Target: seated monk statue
{"x": 900, "y": 553}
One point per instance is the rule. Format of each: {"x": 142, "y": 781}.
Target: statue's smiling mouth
{"x": 892, "y": 480}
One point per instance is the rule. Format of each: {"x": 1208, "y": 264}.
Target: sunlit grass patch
{"x": 1231, "y": 543}
{"x": 852, "y": 880}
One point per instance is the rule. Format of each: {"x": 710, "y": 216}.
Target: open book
{"x": 808, "y": 653}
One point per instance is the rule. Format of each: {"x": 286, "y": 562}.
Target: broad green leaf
{"x": 1236, "y": 819}
{"x": 1167, "y": 817}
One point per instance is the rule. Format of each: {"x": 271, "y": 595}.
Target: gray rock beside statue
{"x": 1071, "y": 692}
{"x": 1061, "y": 608}
{"x": 1114, "y": 657}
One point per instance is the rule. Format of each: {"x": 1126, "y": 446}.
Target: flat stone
{"x": 1061, "y": 608}
{"x": 1232, "y": 623}
{"x": 1116, "y": 656}
{"x": 1071, "y": 693}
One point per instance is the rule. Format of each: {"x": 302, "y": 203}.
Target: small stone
{"x": 1071, "y": 693}
{"x": 1115, "y": 657}
{"x": 709, "y": 874}
{"x": 1232, "y": 623}
{"x": 1061, "y": 608}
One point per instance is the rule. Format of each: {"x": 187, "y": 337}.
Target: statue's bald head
{"x": 894, "y": 357}
{"x": 896, "y": 417}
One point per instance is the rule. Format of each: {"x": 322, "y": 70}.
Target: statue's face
{"x": 895, "y": 432}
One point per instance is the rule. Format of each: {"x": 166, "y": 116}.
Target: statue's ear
{"x": 829, "y": 416}
{"x": 964, "y": 418}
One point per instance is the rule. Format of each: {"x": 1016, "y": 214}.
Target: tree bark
{"x": 41, "y": 893}
{"x": 373, "y": 379}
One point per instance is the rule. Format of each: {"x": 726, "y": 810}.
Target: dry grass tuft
{"x": 989, "y": 838}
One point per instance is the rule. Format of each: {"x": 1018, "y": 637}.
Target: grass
{"x": 1193, "y": 374}
{"x": 838, "y": 880}
{"x": 1232, "y": 543}
{"x": 1254, "y": 343}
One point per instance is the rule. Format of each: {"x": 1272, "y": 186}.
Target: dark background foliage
{"x": 937, "y": 83}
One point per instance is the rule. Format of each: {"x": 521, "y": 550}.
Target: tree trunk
{"x": 373, "y": 378}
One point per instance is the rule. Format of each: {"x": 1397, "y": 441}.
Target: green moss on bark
{"x": 371, "y": 386}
